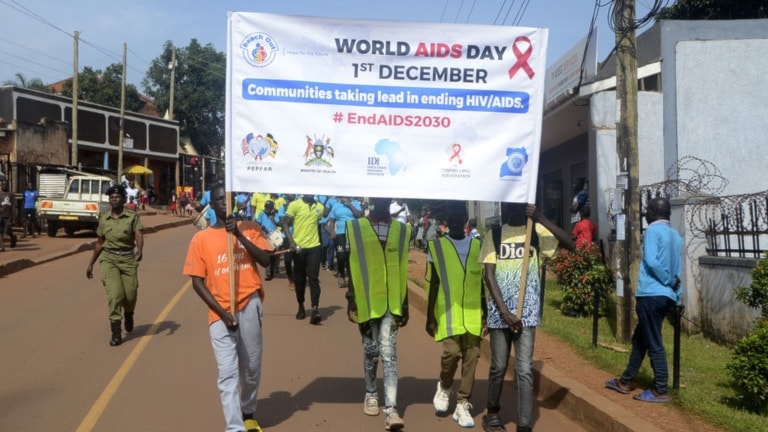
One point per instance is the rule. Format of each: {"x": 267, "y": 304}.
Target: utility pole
{"x": 628, "y": 222}
{"x": 172, "y": 67}
{"x": 122, "y": 120}
{"x": 75, "y": 91}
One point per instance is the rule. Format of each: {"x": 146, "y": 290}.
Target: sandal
{"x": 615, "y": 384}
{"x": 492, "y": 423}
{"x": 252, "y": 425}
{"x": 650, "y": 396}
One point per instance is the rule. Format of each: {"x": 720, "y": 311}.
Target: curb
{"x": 25, "y": 263}
{"x": 579, "y": 403}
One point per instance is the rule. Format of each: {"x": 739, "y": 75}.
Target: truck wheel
{"x": 51, "y": 229}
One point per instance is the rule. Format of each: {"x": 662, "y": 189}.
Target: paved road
{"x": 60, "y": 374}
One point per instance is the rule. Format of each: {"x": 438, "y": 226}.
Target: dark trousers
{"x": 307, "y": 270}
{"x": 647, "y": 339}
{"x": 342, "y": 254}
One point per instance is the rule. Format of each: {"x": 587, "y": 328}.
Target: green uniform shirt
{"x": 119, "y": 232}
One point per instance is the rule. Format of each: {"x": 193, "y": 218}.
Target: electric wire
{"x": 498, "y": 14}
{"x": 470, "y": 11}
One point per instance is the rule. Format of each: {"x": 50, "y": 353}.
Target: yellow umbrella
{"x": 137, "y": 170}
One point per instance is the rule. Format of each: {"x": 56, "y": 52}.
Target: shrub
{"x": 748, "y": 367}
{"x": 578, "y": 271}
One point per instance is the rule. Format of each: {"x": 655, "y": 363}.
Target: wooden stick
{"x": 524, "y": 270}
{"x": 230, "y": 260}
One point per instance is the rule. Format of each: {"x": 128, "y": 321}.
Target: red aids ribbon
{"x": 456, "y": 152}
{"x": 522, "y": 58}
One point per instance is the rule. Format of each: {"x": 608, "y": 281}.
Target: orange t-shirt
{"x": 207, "y": 257}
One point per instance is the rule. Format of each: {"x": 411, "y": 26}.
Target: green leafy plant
{"x": 748, "y": 367}
{"x": 578, "y": 273}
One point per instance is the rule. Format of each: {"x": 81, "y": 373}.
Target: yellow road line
{"x": 102, "y": 402}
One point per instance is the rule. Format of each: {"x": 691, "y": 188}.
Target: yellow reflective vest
{"x": 379, "y": 274}
{"x": 458, "y": 309}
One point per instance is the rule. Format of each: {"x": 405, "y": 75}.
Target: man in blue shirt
{"x": 269, "y": 219}
{"x": 30, "y": 211}
{"x": 658, "y": 293}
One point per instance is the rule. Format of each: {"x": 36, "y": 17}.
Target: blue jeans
{"x": 380, "y": 340}
{"x": 238, "y": 356}
{"x": 502, "y": 340}
{"x": 646, "y": 338}
{"x": 306, "y": 269}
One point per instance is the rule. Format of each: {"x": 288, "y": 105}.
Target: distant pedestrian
{"x": 658, "y": 294}
{"x": 6, "y": 215}
{"x": 172, "y": 204}
{"x": 119, "y": 249}
{"x": 30, "y": 211}
{"x": 584, "y": 231}
{"x": 183, "y": 201}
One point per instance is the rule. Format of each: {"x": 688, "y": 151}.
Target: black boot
{"x": 129, "y": 321}
{"x": 117, "y": 337}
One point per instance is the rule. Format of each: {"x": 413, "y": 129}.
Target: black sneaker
{"x": 315, "y": 318}
{"x": 301, "y": 314}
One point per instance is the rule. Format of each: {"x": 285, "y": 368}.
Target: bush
{"x": 578, "y": 271}
{"x": 748, "y": 367}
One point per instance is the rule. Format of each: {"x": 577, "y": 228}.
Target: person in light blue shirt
{"x": 326, "y": 239}
{"x": 210, "y": 215}
{"x": 30, "y": 211}
{"x": 343, "y": 210}
{"x": 658, "y": 294}
{"x": 269, "y": 219}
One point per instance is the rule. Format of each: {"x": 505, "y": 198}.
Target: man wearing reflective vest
{"x": 455, "y": 308}
{"x": 377, "y": 300}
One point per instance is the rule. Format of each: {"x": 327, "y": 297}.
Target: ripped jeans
{"x": 380, "y": 340}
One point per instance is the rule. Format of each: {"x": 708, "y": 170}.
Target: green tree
{"x": 199, "y": 92}
{"x": 715, "y": 10}
{"x": 104, "y": 88}
{"x": 32, "y": 84}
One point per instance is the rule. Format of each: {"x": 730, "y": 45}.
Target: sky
{"x": 36, "y": 36}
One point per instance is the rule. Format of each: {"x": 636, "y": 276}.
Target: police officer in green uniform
{"x": 122, "y": 243}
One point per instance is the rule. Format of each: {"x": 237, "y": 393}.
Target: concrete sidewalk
{"x": 583, "y": 405}
{"x": 33, "y": 251}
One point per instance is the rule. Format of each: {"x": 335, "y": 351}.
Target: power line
{"x": 508, "y": 10}
{"x": 520, "y": 13}
{"x": 30, "y": 61}
{"x": 445, "y": 7}
{"x": 26, "y": 11}
{"x": 461, "y": 6}
{"x": 46, "y": 55}
{"x": 470, "y": 11}
{"x": 498, "y": 14}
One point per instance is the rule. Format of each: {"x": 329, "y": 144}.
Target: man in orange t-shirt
{"x": 208, "y": 264}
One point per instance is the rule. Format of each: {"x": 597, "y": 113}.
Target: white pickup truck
{"x": 79, "y": 208}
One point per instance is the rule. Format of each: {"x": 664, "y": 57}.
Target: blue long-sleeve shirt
{"x": 661, "y": 263}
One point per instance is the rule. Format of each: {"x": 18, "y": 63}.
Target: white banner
{"x": 383, "y": 108}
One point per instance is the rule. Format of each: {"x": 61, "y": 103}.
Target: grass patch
{"x": 704, "y": 391}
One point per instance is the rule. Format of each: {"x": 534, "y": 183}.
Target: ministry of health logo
{"x": 259, "y": 49}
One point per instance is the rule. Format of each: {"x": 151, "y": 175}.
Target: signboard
{"x": 564, "y": 74}
{"x": 383, "y": 108}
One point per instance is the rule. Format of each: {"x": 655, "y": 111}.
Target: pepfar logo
{"x": 259, "y": 49}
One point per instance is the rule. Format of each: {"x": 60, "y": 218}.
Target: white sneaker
{"x": 371, "y": 406}
{"x": 463, "y": 416}
{"x": 392, "y": 421}
{"x": 442, "y": 399}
